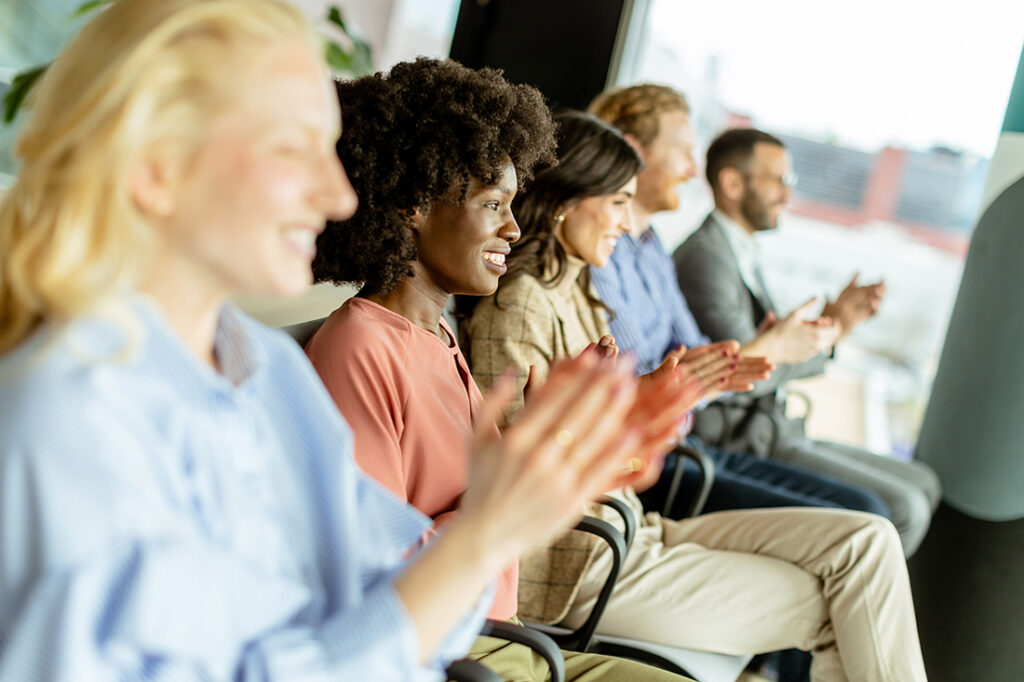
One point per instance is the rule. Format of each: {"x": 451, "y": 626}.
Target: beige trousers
{"x": 518, "y": 663}
{"x": 738, "y": 582}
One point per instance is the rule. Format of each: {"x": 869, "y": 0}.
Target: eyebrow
{"x": 501, "y": 189}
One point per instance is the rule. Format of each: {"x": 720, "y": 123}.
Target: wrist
{"x": 482, "y": 550}
{"x": 764, "y": 345}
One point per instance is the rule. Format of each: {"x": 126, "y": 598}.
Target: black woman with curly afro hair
{"x": 436, "y": 153}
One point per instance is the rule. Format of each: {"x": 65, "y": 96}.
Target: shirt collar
{"x": 741, "y": 241}
{"x": 644, "y": 237}
{"x": 241, "y": 359}
{"x": 746, "y": 251}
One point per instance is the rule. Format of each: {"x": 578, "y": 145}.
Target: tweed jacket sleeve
{"x": 514, "y": 328}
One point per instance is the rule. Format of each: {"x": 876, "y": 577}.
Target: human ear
{"x": 731, "y": 183}
{"x": 416, "y": 218}
{"x": 153, "y": 181}
{"x": 636, "y": 144}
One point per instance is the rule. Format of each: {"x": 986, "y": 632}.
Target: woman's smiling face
{"x": 461, "y": 248}
{"x": 591, "y": 227}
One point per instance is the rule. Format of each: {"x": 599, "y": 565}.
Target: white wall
{"x": 396, "y": 30}
{"x": 371, "y": 16}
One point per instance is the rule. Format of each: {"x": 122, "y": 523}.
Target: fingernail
{"x": 722, "y": 380}
{"x": 725, "y": 353}
{"x": 733, "y": 366}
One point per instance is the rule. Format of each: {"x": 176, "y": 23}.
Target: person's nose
{"x": 689, "y": 166}
{"x": 336, "y": 195}
{"x": 509, "y": 231}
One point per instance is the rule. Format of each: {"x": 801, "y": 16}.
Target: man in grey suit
{"x": 719, "y": 273}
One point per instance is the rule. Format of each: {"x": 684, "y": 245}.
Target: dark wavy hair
{"x": 594, "y": 159}
{"x": 414, "y": 137}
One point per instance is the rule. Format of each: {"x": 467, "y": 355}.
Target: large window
{"x": 891, "y": 112}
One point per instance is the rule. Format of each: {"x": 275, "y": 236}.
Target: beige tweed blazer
{"x": 536, "y": 325}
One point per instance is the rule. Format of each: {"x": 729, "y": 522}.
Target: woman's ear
{"x": 153, "y": 181}
{"x": 564, "y": 210}
{"x": 416, "y": 217}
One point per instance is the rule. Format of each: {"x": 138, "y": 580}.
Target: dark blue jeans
{"x": 743, "y": 481}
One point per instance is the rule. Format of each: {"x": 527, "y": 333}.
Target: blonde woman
{"x": 178, "y": 497}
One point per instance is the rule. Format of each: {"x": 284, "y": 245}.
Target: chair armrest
{"x": 628, "y": 520}
{"x": 468, "y": 670}
{"x": 707, "y": 479}
{"x": 611, "y": 535}
{"x": 580, "y": 638}
{"x": 802, "y": 397}
{"x": 536, "y": 640}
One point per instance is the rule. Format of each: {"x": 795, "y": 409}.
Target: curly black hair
{"x": 414, "y": 137}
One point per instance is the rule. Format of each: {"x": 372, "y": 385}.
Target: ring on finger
{"x": 633, "y": 465}
{"x": 565, "y": 438}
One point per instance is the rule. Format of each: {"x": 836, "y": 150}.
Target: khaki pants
{"x": 738, "y": 582}
{"x": 518, "y": 663}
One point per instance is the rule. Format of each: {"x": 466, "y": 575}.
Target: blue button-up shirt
{"x": 650, "y": 316}
{"x": 160, "y": 520}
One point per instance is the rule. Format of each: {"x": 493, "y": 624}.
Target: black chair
{"x": 302, "y": 332}
{"x": 705, "y": 466}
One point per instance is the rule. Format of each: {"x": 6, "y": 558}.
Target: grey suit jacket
{"x": 725, "y": 308}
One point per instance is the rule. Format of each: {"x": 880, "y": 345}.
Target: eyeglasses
{"x": 787, "y": 180}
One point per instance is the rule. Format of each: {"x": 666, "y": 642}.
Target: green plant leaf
{"x": 87, "y": 7}
{"x": 334, "y": 17}
{"x": 362, "y": 61}
{"x": 338, "y": 59}
{"x": 355, "y": 61}
{"x": 20, "y": 87}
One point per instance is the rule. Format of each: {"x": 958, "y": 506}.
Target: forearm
{"x": 447, "y": 579}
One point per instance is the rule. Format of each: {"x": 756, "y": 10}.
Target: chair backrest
{"x": 302, "y": 332}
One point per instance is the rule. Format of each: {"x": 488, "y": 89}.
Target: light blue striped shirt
{"x": 650, "y": 314}
{"x": 159, "y": 520}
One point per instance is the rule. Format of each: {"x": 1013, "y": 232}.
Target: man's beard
{"x": 757, "y": 214}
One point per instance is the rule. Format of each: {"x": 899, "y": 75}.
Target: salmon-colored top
{"x": 410, "y": 401}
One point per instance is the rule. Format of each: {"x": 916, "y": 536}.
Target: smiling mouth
{"x": 302, "y": 239}
{"x": 496, "y": 258}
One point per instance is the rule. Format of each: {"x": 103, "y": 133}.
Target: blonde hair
{"x": 635, "y": 109}
{"x": 143, "y": 70}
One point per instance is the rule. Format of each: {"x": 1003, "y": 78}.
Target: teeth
{"x": 301, "y": 237}
{"x": 496, "y": 258}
